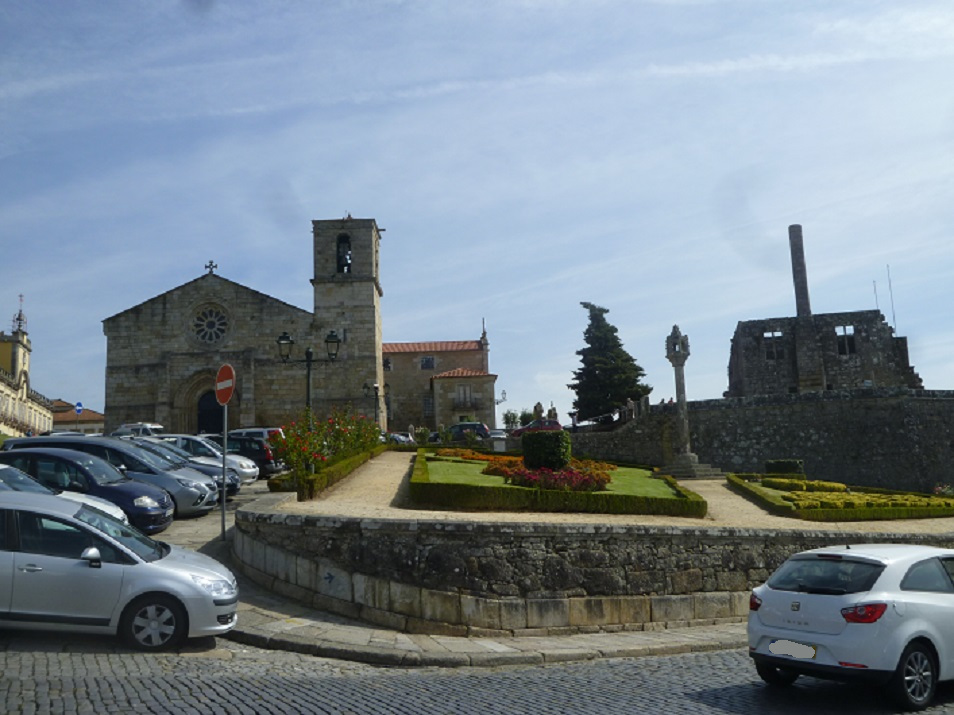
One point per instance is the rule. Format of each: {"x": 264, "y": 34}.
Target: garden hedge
{"x": 423, "y": 492}
{"x": 330, "y": 473}
{"x": 871, "y": 504}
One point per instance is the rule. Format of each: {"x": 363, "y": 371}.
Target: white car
{"x": 67, "y": 566}
{"x": 880, "y": 613}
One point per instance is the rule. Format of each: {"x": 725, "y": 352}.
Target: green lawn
{"x": 625, "y": 480}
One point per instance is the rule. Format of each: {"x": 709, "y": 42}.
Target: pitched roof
{"x": 440, "y": 346}
{"x": 208, "y": 278}
{"x": 462, "y": 372}
{"x": 64, "y": 413}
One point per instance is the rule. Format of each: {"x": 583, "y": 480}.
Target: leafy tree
{"x": 609, "y": 375}
{"x": 526, "y": 417}
{"x": 511, "y": 419}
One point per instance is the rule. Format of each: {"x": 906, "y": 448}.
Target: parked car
{"x": 459, "y": 430}
{"x": 192, "y": 492}
{"x": 400, "y": 438}
{"x": 258, "y": 450}
{"x": 536, "y": 426}
{"x": 13, "y": 480}
{"x": 78, "y": 568}
{"x": 879, "y": 613}
{"x": 179, "y": 457}
{"x": 138, "y": 429}
{"x": 263, "y": 433}
{"x": 498, "y": 434}
{"x": 201, "y": 446}
{"x": 149, "y": 508}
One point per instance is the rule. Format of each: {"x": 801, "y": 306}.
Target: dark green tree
{"x": 608, "y": 376}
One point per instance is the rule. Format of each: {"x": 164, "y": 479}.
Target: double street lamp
{"x": 377, "y": 392}
{"x": 285, "y": 343}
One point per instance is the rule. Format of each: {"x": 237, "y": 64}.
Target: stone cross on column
{"x": 677, "y": 352}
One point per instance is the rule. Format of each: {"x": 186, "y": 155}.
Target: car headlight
{"x": 215, "y": 587}
{"x": 189, "y": 484}
{"x": 145, "y": 502}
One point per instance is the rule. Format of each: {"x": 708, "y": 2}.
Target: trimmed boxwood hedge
{"x": 869, "y": 505}
{"x": 423, "y": 492}
{"x": 311, "y": 485}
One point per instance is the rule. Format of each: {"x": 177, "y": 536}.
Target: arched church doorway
{"x": 210, "y": 414}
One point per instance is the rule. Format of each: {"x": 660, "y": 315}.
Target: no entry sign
{"x": 224, "y": 384}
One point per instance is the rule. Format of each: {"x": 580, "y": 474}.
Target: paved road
{"x": 43, "y": 674}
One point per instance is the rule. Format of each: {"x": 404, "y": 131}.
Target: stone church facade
{"x": 163, "y": 354}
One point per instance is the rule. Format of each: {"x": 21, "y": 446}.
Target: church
{"x": 162, "y": 355}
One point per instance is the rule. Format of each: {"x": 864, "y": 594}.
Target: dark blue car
{"x": 149, "y": 508}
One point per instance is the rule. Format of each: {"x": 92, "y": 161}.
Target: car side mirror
{"x": 92, "y": 556}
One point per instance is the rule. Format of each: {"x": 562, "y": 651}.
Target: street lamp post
{"x": 377, "y": 396}
{"x": 285, "y": 343}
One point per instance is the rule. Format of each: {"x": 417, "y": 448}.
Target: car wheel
{"x": 154, "y": 622}
{"x": 915, "y": 680}
{"x": 778, "y": 677}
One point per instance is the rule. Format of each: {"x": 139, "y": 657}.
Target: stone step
{"x": 694, "y": 471}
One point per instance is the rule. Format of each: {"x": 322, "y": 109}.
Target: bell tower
{"x": 348, "y": 295}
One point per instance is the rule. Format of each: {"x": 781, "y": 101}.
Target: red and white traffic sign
{"x": 224, "y": 384}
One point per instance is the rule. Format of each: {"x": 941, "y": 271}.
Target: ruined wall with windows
{"x": 816, "y": 352}
{"x": 836, "y": 390}
{"x": 827, "y": 351}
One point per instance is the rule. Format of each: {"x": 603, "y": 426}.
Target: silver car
{"x": 192, "y": 492}
{"x": 78, "y": 568}
{"x": 200, "y": 446}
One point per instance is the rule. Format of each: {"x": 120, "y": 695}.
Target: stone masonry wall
{"x": 892, "y": 438}
{"x": 467, "y": 578}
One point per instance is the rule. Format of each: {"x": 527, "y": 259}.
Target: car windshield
{"x": 207, "y": 448}
{"x": 153, "y": 457}
{"x": 12, "y": 479}
{"x": 145, "y": 548}
{"x": 826, "y": 574}
{"x": 99, "y": 470}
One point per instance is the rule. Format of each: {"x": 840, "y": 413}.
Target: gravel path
{"x": 377, "y": 491}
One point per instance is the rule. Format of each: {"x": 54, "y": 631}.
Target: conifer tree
{"x": 608, "y": 376}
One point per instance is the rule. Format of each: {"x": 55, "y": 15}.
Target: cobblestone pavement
{"x": 47, "y": 674}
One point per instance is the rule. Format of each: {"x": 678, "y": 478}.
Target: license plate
{"x": 792, "y": 649}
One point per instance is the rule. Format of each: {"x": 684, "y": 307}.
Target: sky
{"x": 524, "y": 156}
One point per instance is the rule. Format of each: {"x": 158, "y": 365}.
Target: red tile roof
{"x": 463, "y": 372}
{"x": 444, "y": 346}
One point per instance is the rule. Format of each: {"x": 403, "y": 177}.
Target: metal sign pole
{"x": 225, "y": 439}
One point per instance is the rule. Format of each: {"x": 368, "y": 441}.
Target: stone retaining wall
{"x": 892, "y": 437}
{"x": 479, "y": 578}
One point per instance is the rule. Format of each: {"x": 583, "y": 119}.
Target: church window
{"x": 344, "y": 254}
{"x": 387, "y": 364}
{"x": 210, "y": 325}
{"x": 427, "y": 363}
{"x": 846, "y": 339}
{"x": 774, "y": 349}
{"x": 428, "y": 405}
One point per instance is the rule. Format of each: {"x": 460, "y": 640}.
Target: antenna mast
{"x": 894, "y": 321}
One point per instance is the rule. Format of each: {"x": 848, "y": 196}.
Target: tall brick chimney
{"x": 803, "y": 307}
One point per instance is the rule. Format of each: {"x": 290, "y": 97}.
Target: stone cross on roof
{"x": 210, "y": 267}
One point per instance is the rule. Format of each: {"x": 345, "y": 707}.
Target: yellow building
{"x": 22, "y": 411}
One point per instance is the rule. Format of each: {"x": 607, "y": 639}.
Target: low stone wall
{"x": 479, "y": 578}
